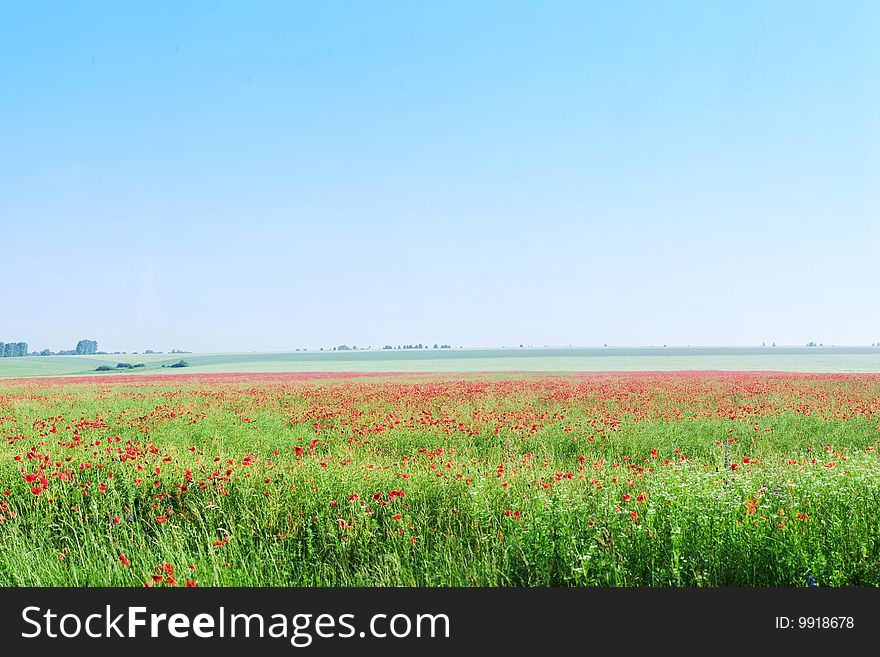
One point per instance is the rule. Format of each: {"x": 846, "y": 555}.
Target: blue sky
{"x": 262, "y": 176}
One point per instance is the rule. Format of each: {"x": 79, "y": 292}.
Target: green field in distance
{"x": 789, "y": 359}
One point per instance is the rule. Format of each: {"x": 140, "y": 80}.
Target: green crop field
{"x": 639, "y": 479}
{"x": 790, "y": 359}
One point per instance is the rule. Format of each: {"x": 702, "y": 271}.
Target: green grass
{"x": 800, "y": 359}
{"x": 619, "y": 480}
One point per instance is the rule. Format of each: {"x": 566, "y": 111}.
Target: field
{"x": 626, "y": 479}
{"x": 789, "y": 359}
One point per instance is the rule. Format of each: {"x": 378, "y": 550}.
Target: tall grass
{"x": 619, "y": 481}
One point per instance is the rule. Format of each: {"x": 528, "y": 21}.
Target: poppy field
{"x": 615, "y": 479}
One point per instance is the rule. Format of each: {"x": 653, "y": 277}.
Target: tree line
{"x": 13, "y": 349}
{"x": 83, "y": 348}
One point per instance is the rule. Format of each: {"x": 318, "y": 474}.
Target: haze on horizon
{"x": 221, "y": 179}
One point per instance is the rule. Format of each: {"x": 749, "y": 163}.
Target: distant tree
{"x": 2, "y": 349}
{"x": 21, "y": 349}
{"x": 84, "y": 347}
{"x": 343, "y": 347}
{"x": 7, "y": 350}
{"x": 180, "y": 363}
{"x": 149, "y": 351}
{"x": 103, "y": 368}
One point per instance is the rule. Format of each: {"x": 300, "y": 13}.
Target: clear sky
{"x": 265, "y": 176}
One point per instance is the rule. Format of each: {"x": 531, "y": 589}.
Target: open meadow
{"x": 604, "y": 359}
{"x": 274, "y": 479}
